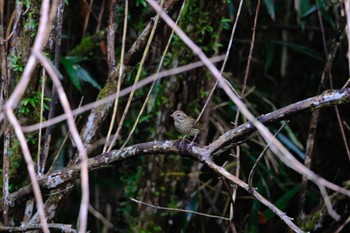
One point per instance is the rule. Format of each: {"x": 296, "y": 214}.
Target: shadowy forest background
{"x": 57, "y": 56}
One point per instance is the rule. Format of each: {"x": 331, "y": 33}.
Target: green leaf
{"x": 283, "y": 201}
{"x": 309, "y": 11}
{"x": 225, "y": 22}
{"x": 300, "y": 48}
{"x": 142, "y": 3}
{"x": 32, "y": 102}
{"x": 290, "y": 145}
{"x": 270, "y": 8}
{"x": 77, "y": 73}
{"x": 305, "y": 9}
{"x": 84, "y": 75}
{"x": 145, "y": 118}
{"x": 71, "y": 71}
{"x": 270, "y": 52}
{"x": 293, "y": 137}
{"x": 75, "y": 59}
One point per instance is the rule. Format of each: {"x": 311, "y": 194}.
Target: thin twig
{"x": 324, "y": 41}
{"x": 123, "y": 92}
{"x": 5, "y": 171}
{"x": 87, "y": 16}
{"x": 120, "y": 75}
{"x": 224, "y": 62}
{"x": 28, "y": 212}
{"x": 254, "y": 193}
{"x": 100, "y": 15}
{"x": 18, "y": 13}
{"x": 63, "y": 143}
{"x": 5, "y": 125}
{"x": 155, "y": 78}
{"x": 252, "y": 171}
{"x": 143, "y": 59}
{"x": 315, "y": 115}
{"x": 346, "y": 84}
{"x": 40, "y": 40}
{"x": 328, "y": 203}
{"x": 30, "y": 166}
{"x": 54, "y": 96}
{"x": 339, "y": 230}
{"x": 347, "y": 29}
{"x": 178, "y": 210}
{"x": 328, "y": 71}
{"x": 100, "y": 217}
{"x": 246, "y": 76}
{"x": 252, "y": 43}
{"x": 75, "y": 134}
{"x": 43, "y": 81}
{"x": 111, "y": 35}
{"x": 98, "y": 143}
{"x": 342, "y": 131}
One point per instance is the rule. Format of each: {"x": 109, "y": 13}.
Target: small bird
{"x": 186, "y": 124}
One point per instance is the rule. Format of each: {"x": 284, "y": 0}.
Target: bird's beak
{"x": 172, "y": 115}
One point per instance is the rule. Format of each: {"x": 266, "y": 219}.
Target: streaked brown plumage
{"x": 186, "y": 124}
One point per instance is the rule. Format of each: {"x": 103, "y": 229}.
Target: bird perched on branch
{"x": 186, "y": 124}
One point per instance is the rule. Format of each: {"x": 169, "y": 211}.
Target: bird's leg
{"x": 183, "y": 140}
{"x": 195, "y": 136}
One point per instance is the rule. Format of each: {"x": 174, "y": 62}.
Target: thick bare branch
{"x": 61, "y": 177}
{"x": 241, "y": 133}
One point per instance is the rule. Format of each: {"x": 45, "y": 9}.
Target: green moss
{"x": 84, "y": 47}
{"x": 199, "y": 22}
{"x": 311, "y": 222}
{"x": 87, "y": 44}
{"x": 32, "y": 20}
{"x": 30, "y": 27}
{"x": 108, "y": 89}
